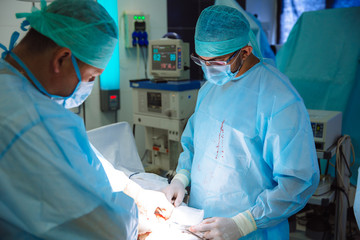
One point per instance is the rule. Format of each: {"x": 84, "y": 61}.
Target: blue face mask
{"x": 79, "y": 95}
{"x": 81, "y": 92}
{"x": 219, "y": 74}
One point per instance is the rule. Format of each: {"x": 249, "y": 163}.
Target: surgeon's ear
{"x": 246, "y": 51}
{"x": 61, "y": 55}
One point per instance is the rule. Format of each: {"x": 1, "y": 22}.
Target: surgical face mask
{"x": 220, "y": 74}
{"x": 82, "y": 91}
{"x": 78, "y": 96}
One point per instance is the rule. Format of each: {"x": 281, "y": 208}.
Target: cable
{"x": 318, "y": 195}
{"x": 145, "y": 153}
{"x": 145, "y": 60}
{"x": 340, "y": 184}
{"x": 83, "y": 105}
{"x": 137, "y": 60}
{"x": 341, "y": 141}
{"x": 327, "y": 166}
{"x": 339, "y": 156}
{"x": 348, "y": 204}
{"x": 346, "y": 162}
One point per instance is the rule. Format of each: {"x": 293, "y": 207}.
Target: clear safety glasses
{"x": 200, "y": 61}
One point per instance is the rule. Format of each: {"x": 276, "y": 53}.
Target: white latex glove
{"x": 218, "y": 228}
{"x": 175, "y": 192}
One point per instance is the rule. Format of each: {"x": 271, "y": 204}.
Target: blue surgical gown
{"x": 52, "y": 185}
{"x": 249, "y": 146}
{"x": 357, "y": 201}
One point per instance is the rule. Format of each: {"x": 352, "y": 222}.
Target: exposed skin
{"x": 53, "y": 68}
{"x": 246, "y": 56}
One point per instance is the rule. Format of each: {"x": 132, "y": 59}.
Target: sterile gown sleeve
{"x": 289, "y": 151}
{"x": 52, "y": 199}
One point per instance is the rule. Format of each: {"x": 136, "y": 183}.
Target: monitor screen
{"x": 164, "y": 57}
{"x": 168, "y": 59}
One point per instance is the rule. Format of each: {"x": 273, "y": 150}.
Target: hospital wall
{"x": 156, "y": 9}
{"x": 131, "y": 67}
{"x": 8, "y": 22}
{"x": 266, "y": 14}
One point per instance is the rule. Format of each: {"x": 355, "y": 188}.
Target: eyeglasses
{"x": 200, "y": 61}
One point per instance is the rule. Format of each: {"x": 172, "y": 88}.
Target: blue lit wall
{"x": 110, "y": 78}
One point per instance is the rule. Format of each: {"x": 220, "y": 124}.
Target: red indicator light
{"x": 113, "y": 97}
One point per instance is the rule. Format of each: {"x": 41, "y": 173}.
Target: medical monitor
{"x": 169, "y": 59}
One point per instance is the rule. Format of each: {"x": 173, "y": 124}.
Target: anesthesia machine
{"x": 163, "y": 104}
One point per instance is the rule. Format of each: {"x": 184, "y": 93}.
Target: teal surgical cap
{"x": 222, "y": 30}
{"x": 83, "y": 26}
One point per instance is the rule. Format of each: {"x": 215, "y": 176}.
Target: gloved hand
{"x": 218, "y": 228}
{"x": 175, "y": 192}
{"x": 153, "y": 207}
{"x": 153, "y": 204}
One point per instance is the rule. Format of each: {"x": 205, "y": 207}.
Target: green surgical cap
{"x": 83, "y": 26}
{"x": 222, "y": 30}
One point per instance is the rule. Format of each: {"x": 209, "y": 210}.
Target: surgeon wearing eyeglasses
{"x": 248, "y": 150}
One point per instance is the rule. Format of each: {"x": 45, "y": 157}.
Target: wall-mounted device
{"x": 110, "y": 78}
{"x": 169, "y": 59}
{"x": 136, "y": 29}
{"x": 110, "y": 100}
{"x": 326, "y": 127}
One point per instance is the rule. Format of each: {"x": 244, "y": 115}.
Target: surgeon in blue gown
{"x": 52, "y": 185}
{"x": 248, "y": 150}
